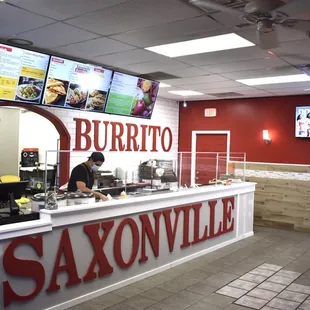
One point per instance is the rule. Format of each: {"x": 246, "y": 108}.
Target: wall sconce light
{"x": 184, "y": 104}
{"x": 266, "y": 137}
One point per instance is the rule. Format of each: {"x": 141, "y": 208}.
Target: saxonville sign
{"x": 108, "y": 247}
{"x": 116, "y": 136}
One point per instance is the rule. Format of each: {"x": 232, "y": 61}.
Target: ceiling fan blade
{"x": 211, "y": 4}
{"x": 267, "y": 40}
{"x": 298, "y": 24}
{"x": 294, "y": 7}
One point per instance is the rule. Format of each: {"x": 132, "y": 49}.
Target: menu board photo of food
{"x": 132, "y": 96}
{"x": 56, "y": 92}
{"x": 96, "y": 100}
{"x": 22, "y": 74}
{"x": 71, "y": 85}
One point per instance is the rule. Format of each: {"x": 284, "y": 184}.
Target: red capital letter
{"x": 186, "y": 242}
{"x": 154, "y": 130}
{"x": 117, "y": 137}
{"x": 143, "y": 138}
{"x": 23, "y": 268}
{"x": 169, "y": 139}
{"x": 98, "y": 243}
{"x": 96, "y": 135}
{"x": 171, "y": 232}
{"x": 227, "y": 217}
{"x": 204, "y": 237}
{"x": 79, "y": 134}
{"x": 132, "y": 133}
{"x": 152, "y": 236}
{"x": 212, "y": 234}
{"x": 118, "y": 243}
{"x": 65, "y": 247}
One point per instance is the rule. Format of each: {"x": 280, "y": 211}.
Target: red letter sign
{"x": 227, "y": 210}
{"x": 79, "y": 134}
{"x": 65, "y": 248}
{"x": 23, "y": 268}
{"x": 118, "y": 243}
{"x": 171, "y": 232}
{"x": 98, "y": 243}
{"x": 152, "y": 236}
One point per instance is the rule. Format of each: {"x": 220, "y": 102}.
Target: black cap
{"x": 97, "y": 156}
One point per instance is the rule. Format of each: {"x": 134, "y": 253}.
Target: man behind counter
{"x": 83, "y": 176}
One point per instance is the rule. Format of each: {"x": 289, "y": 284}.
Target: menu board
{"x": 76, "y": 85}
{"x": 22, "y": 74}
{"x": 132, "y": 96}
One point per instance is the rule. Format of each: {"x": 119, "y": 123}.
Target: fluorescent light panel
{"x": 185, "y": 93}
{"x": 163, "y": 85}
{"x": 199, "y": 46}
{"x": 276, "y": 80}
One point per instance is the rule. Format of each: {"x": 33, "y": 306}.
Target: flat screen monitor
{"x": 132, "y": 96}
{"x": 16, "y": 188}
{"x": 76, "y": 85}
{"x": 302, "y": 122}
{"x": 22, "y": 74}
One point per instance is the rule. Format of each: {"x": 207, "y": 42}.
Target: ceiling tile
{"x": 155, "y": 66}
{"x": 186, "y": 72}
{"x": 195, "y": 80}
{"x": 293, "y": 48}
{"x": 64, "y": 9}
{"x": 91, "y": 48}
{"x": 66, "y": 34}
{"x": 229, "y": 19}
{"x": 254, "y": 64}
{"x": 249, "y": 74}
{"x": 238, "y": 54}
{"x": 129, "y": 57}
{"x": 304, "y": 85}
{"x": 297, "y": 59}
{"x": 183, "y": 30}
{"x": 280, "y": 89}
{"x": 134, "y": 15}
{"x": 14, "y": 20}
{"x": 215, "y": 85}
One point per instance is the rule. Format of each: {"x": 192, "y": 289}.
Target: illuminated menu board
{"x": 132, "y": 96}
{"x": 22, "y": 74}
{"x": 76, "y": 85}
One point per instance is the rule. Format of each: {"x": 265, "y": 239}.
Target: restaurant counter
{"x": 80, "y": 252}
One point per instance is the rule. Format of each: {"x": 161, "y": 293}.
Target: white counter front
{"x": 77, "y": 253}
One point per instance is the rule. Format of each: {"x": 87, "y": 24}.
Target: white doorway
{"x": 195, "y": 148}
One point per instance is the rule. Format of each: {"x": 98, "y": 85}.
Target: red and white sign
{"x": 137, "y": 242}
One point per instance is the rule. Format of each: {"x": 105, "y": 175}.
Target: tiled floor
{"x": 269, "y": 271}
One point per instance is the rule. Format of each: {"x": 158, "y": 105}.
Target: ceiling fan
{"x": 266, "y": 15}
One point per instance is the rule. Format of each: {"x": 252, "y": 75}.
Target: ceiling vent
{"x": 157, "y": 76}
{"x": 235, "y": 4}
{"x": 225, "y": 95}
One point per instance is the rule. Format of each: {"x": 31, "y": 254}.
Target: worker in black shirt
{"x": 82, "y": 176}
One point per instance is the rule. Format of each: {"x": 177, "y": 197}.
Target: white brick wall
{"x": 166, "y": 114}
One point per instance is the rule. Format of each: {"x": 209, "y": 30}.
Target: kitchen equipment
{"x": 78, "y": 198}
{"x": 38, "y": 201}
{"x": 104, "y": 179}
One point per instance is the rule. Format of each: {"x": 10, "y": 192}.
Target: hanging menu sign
{"x": 76, "y": 85}
{"x": 22, "y": 74}
{"x": 132, "y": 96}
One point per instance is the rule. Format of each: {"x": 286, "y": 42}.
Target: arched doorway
{"x": 60, "y": 127}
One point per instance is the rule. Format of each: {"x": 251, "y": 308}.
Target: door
{"x": 206, "y": 163}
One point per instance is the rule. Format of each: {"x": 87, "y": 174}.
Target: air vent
{"x": 157, "y": 76}
{"x": 225, "y": 95}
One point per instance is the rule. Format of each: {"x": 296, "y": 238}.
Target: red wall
{"x": 246, "y": 119}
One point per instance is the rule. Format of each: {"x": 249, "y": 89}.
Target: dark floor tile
{"x": 108, "y": 300}
{"x": 139, "y": 302}
{"x": 201, "y": 288}
{"x": 219, "y": 300}
{"x": 156, "y": 294}
{"x": 202, "y": 305}
{"x": 128, "y": 291}
{"x": 219, "y": 280}
{"x": 178, "y": 284}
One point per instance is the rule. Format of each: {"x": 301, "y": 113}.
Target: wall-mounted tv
{"x": 22, "y": 74}
{"x": 131, "y": 96}
{"x": 76, "y": 85}
{"x": 302, "y": 122}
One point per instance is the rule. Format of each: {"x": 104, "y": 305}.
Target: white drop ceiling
{"x": 114, "y": 33}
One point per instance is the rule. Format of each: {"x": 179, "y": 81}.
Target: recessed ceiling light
{"x": 199, "y": 46}
{"x": 276, "y": 80}
{"x": 18, "y": 41}
{"x": 307, "y": 89}
{"x": 185, "y": 93}
{"x": 163, "y": 85}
